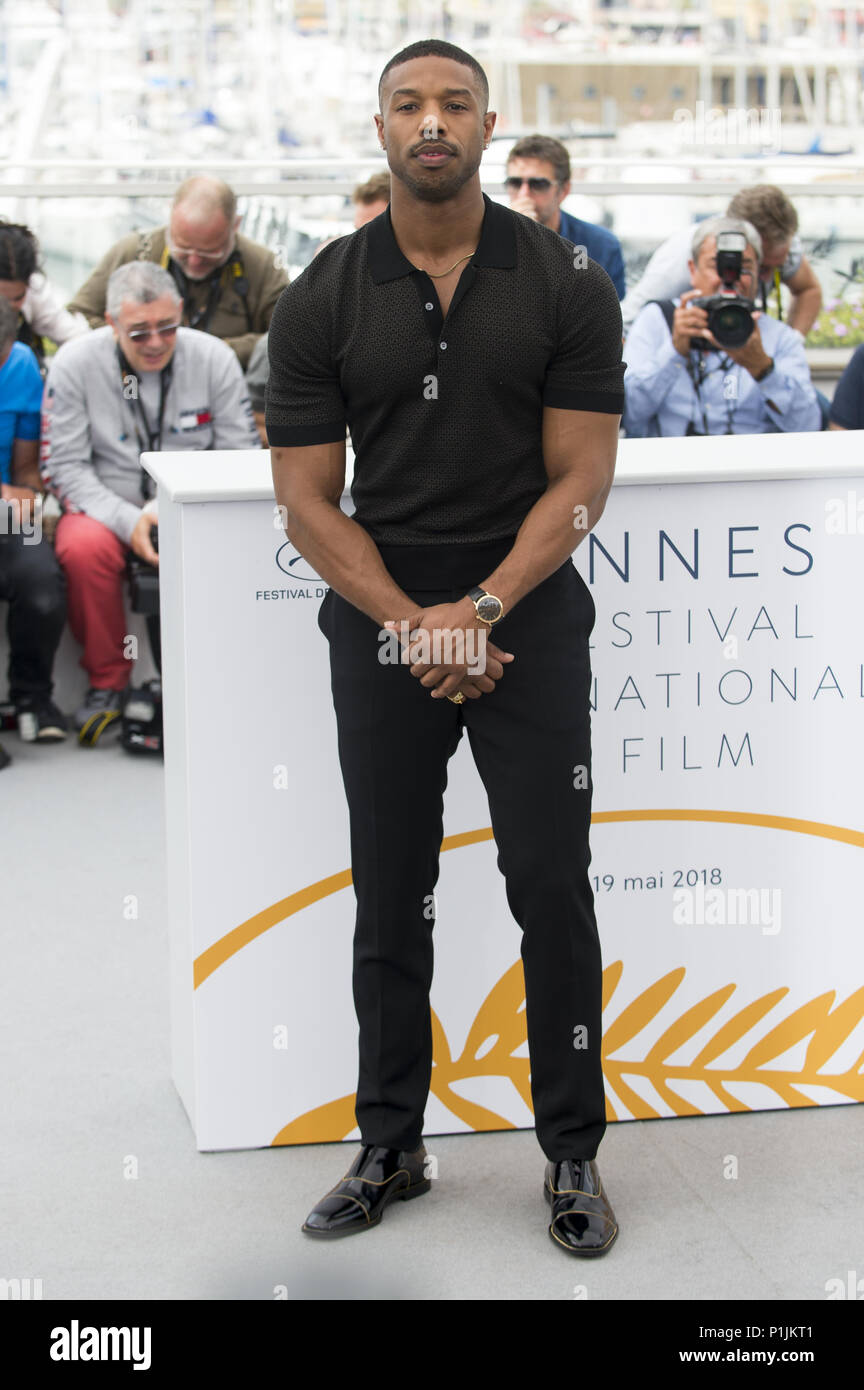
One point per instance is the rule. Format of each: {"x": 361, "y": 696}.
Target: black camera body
{"x": 141, "y": 715}
{"x": 144, "y": 580}
{"x": 730, "y": 316}
{"x": 141, "y": 725}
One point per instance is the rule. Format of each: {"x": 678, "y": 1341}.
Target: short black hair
{"x": 19, "y": 251}
{"x": 8, "y": 323}
{"x": 439, "y": 48}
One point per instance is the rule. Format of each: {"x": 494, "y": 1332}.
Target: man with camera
{"x": 141, "y": 383}
{"x": 765, "y": 207}
{"x": 707, "y": 362}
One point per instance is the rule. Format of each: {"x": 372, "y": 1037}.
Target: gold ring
{"x": 457, "y": 698}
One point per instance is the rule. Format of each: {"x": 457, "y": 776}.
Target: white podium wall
{"x": 710, "y": 778}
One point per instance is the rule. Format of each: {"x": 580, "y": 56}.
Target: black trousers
{"x": 528, "y": 738}
{"x": 34, "y": 584}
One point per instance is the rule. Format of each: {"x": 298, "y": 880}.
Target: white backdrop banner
{"x": 728, "y": 828}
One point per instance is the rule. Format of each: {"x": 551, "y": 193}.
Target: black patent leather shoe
{"x": 583, "y": 1221}
{"x": 377, "y": 1177}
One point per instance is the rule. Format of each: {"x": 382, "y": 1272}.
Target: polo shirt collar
{"x": 497, "y": 245}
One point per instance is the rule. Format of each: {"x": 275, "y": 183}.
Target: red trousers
{"x": 94, "y": 562}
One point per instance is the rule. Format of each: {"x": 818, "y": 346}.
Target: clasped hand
{"x": 455, "y": 628}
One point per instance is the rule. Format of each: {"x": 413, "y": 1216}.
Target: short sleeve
{"x": 28, "y": 424}
{"x": 847, "y": 407}
{"x": 30, "y": 400}
{"x": 587, "y": 371}
{"x": 303, "y": 399}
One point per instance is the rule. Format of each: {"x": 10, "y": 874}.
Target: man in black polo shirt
{"x": 478, "y": 365}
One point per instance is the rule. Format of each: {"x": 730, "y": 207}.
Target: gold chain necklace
{"x": 441, "y": 273}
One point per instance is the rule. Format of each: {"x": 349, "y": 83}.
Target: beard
{"x": 436, "y": 185}
{"x": 202, "y": 275}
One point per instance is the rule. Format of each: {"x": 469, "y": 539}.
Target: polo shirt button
{"x": 443, "y": 345}
{"x": 428, "y": 306}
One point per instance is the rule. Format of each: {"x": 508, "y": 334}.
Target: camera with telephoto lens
{"x": 144, "y": 580}
{"x": 729, "y": 315}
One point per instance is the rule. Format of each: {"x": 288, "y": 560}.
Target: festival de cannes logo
{"x": 291, "y": 562}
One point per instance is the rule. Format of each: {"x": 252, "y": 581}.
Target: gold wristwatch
{"x": 488, "y": 608}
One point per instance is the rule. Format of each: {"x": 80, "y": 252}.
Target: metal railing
{"x": 291, "y": 181}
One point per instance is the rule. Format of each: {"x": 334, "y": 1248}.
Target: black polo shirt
{"x": 445, "y": 415}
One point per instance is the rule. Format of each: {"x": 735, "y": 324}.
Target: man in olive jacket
{"x": 228, "y": 283}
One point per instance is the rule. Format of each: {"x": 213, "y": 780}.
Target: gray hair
{"x": 140, "y": 282}
{"x": 8, "y": 323}
{"x": 712, "y": 226}
{"x": 207, "y": 197}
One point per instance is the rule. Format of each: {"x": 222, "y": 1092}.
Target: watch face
{"x": 489, "y": 608}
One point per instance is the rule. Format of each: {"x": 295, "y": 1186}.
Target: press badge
{"x": 191, "y": 419}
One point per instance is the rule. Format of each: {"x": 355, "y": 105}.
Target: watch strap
{"x": 766, "y": 371}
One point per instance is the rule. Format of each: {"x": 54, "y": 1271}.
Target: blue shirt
{"x": 660, "y": 396}
{"x": 847, "y": 407}
{"x": 20, "y": 403}
{"x": 600, "y": 244}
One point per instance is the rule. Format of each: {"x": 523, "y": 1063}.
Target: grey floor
{"x": 87, "y": 1095}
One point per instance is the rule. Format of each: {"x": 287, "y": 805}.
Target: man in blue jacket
{"x": 538, "y": 181}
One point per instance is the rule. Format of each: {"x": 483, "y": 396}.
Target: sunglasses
{"x": 536, "y": 185}
{"x": 139, "y": 335}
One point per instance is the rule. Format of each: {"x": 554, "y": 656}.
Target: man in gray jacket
{"x": 141, "y": 383}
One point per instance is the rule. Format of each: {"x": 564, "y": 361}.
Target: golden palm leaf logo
{"x": 827, "y": 1028}
{"x": 499, "y": 1030}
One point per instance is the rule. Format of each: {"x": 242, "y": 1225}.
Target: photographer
{"x": 681, "y": 379}
{"x": 141, "y": 383}
{"x": 782, "y": 261}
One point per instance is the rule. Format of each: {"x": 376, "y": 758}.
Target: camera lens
{"x": 731, "y": 324}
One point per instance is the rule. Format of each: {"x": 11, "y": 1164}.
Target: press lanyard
{"x": 724, "y": 365}
{"x": 765, "y": 309}
{"x": 154, "y": 436}
{"x": 200, "y": 318}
